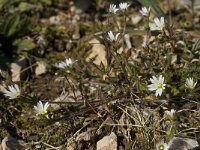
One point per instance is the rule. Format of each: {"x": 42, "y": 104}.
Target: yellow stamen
{"x": 161, "y": 147}
{"x": 159, "y": 85}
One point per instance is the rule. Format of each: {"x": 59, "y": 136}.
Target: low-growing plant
{"x": 145, "y": 93}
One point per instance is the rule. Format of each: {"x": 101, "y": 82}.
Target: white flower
{"x": 170, "y": 113}
{"x": 157, "y": 85}
{"x": 144, "y": 44}
{"x": 158, "y": 24}
{"x": 65, "y": 64}
{"x": 41, "y": 109}
{"x": 124, "y": 6}
{"x": 111, "y": 36}
{"x": 113, "y": 9}
{"x": 144, "y": 11}
{"x": 162, "y": 146}
{"x": 12, "y": 92}
{"x": 190, "y": 84}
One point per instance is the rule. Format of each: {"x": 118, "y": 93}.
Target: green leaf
{"x": 3, "y": 3}
{"x": 24, "y": 26}
{"x": 11, "y": 25}
{"x": 7, "y": 3}
{"x": 24, "y": 7}
{"x": 24, "y": 44}
{"x": 153, "y": 4}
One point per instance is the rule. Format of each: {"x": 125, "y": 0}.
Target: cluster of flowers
{"x": 158, "y": 25}
{"x": 122, "y": 6}
{"x": 113, "y": 9}
{"x": 157, "y": 84}
{"x": 14, "y": 92}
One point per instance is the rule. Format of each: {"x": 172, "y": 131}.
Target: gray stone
{"x": 178, "y": 143}
{"x": 136, "y": 18}
{"x": 108, "y": 142}
{"x": 17, "y": 68}
{"x": 11, "y": 143}
{"x": 40, "y": 68}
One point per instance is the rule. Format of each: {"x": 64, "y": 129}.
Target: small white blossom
{"x": 112, "y": 37}
{"x": 65, "y": 64}
{"x": 157, "y": 85}
{"x": 144, "y": 11}
{"x": 144, "y": 44}
{"x": 170, "y": 113}
{"x": 113, "y": 9}
{"x": 159, "y": 24}
{"x": 123, "y": 6}
{"x": 12, "y": 92}
{"x": 190, "y": 84}
{"x": 41, "y": 109}
{"x": 162, "y": 146}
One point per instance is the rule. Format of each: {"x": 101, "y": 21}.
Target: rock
{"x": 40, "y": 68}
{"x": 4, "y": 76}
{"x": 17, "y": 67}
{"x": 11, "y": 143}
{"x": 108, "y": 142}
{"x": 178, "y": 143}
{"x": 2, "y": 88}
{"x": 136, "y": 19}
{"x": 98, "y": 52}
